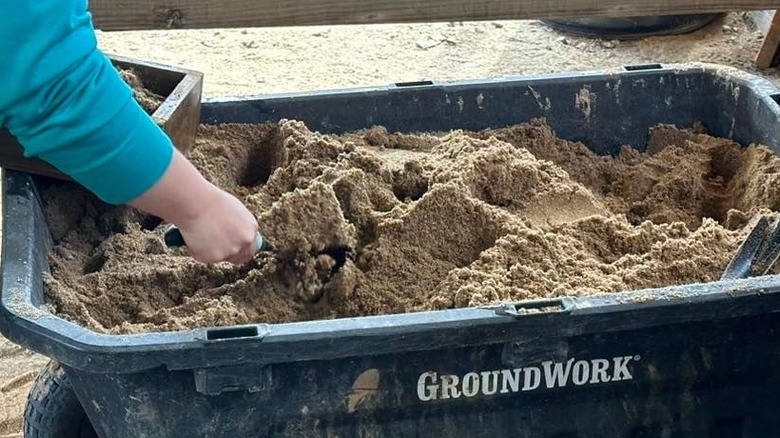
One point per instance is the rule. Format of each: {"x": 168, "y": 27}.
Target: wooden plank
{"x": 178, "y": 115}
{"x": 115, "y": 15}
{"x": 768, "y": 54}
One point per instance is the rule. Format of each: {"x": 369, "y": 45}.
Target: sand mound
{"x": 375, "y": 223}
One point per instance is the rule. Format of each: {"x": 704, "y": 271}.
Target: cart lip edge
{"x": 399, "y": 323}
{"x": 727, "y": 72}
{"x": 92, "y": 351}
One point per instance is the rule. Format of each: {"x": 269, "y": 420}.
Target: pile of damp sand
{"x": 148, "y": 99}
{"x": 377, "y": 223}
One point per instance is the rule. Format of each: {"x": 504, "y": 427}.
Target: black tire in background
{"x": 53, "y": 410}
{"x": 633, "y": 27}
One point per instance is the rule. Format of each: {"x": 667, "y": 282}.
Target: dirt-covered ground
{"x": 253, "y": 61}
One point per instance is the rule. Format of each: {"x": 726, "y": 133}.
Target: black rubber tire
{"x": 53, "y": 410}
{"x": 632, "y": 27}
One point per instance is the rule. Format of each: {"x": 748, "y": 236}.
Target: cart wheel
{"x": 53, "y": 410}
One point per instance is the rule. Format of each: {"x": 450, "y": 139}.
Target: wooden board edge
{"x": 121, "y": 15}
{"x": 768, "y": 54}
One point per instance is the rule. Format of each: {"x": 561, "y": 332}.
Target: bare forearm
{"x": 180, "y": 195}
{"x": 215, "y": 224}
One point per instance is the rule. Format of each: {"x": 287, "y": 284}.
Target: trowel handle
{"x": 174, "y": 239}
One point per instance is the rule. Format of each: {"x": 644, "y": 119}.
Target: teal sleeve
{"x": 66, "y": 104}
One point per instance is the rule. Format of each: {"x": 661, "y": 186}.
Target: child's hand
{"x": 224, "y": 231}
{"x": 216, "y": 226}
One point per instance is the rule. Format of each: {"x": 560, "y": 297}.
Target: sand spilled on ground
{"x": 374, "y": 223}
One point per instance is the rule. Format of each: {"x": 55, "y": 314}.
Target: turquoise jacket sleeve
{"x": 61, "y": 97}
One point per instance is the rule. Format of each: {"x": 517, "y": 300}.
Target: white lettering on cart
{"x": 549, "y": 374}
